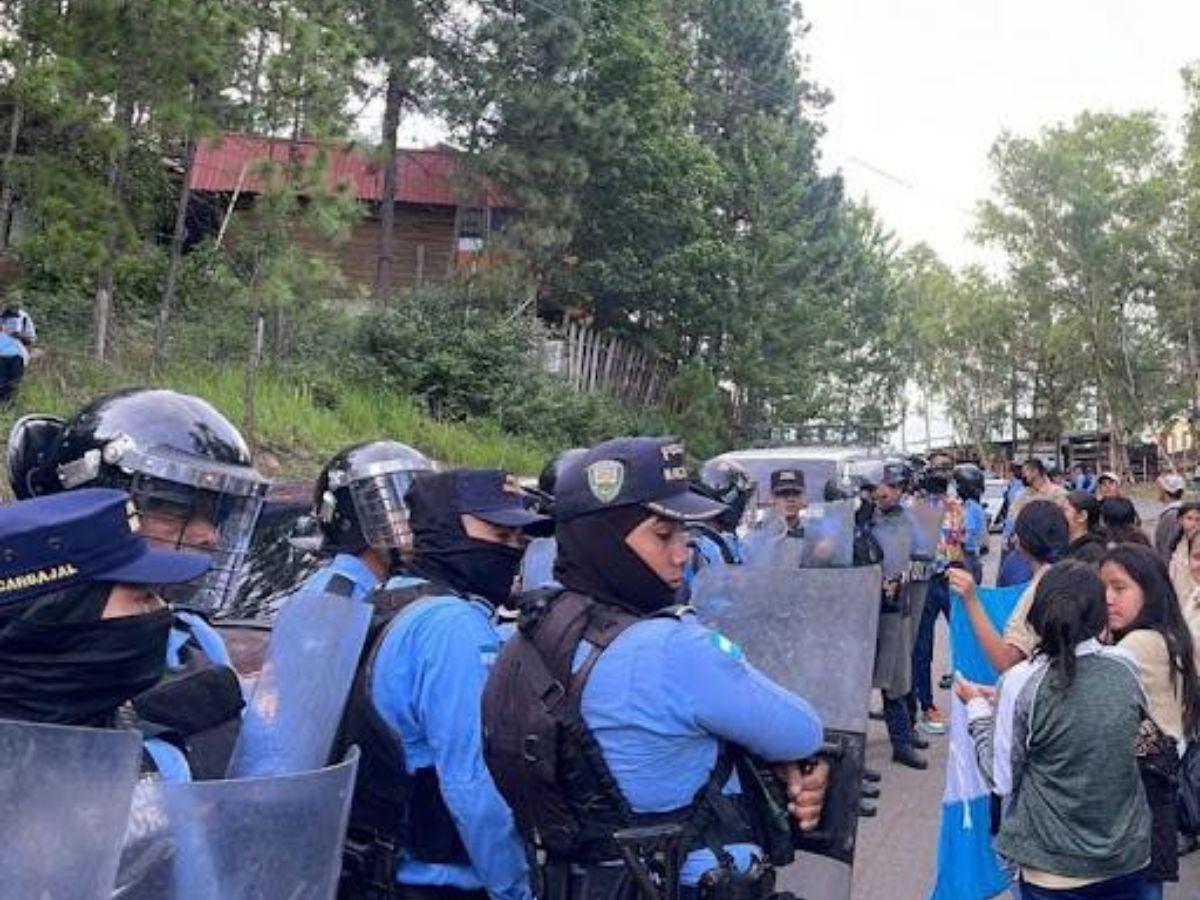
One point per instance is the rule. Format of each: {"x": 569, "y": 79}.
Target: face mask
{"x": 76, "y": 672}
{"x": 477, "y": 567}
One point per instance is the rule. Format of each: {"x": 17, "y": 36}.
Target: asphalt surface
{"x": 897, "y": 850}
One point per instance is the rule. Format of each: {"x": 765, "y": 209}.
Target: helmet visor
{"x": 189, "y": 518}
{"x": 382, "y": 513}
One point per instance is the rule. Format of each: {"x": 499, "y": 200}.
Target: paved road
{"x": 897, "y": 850}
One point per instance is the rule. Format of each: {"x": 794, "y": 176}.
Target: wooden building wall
{"x": 422, "y": 247}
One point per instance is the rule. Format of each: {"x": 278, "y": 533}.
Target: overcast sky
{"x": 923, "y": 87}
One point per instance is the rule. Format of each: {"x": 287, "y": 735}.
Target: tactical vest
{"x": 547, "y": 763}
{"x": 197, "y": 707}
{"x": 392, "y": 809}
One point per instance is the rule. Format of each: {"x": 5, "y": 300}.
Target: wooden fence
{"x": 592, "y": 362}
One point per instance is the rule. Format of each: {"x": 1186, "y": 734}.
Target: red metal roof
{"x": 423, "y": 176}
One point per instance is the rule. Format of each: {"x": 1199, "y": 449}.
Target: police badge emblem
{"x": 605, "y": 479}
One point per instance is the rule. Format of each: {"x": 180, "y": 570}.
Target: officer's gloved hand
{"x": 806, "y": 786}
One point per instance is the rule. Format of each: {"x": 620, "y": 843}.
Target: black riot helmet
{"x": 969, "y": 481}
{"x": 359, "y": 497}
{"x": 727, "y": 482}
{"x": 186, "y": 466}
{"x": 547, "y": 481}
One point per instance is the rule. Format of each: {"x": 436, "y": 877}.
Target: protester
{"x": 1041, "y": 534}
{"x": 1119, "y": 518}
{"x": 1082, "y": 511}
{"x": 83, "y": 628}
{"x": 1108, "y": 485}
{"x": 1074, "y": 815}
{"x": 1170, "y": 492}
{"x": 1145, "y": 620}
{"x": 1014, "y": 567}
{"x": 1179, "y": 564}
{"x": 1189, "y": 603}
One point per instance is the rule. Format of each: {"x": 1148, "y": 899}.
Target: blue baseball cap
{"x": 638, "y": 471}
{"x": 54, "y": 542}
{"x": 489, "y": 494}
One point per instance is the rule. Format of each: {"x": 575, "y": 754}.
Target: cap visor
{"x": 159, "y": 567}
{"x": 790, "y": 489}
{"x": 686, "y": 506}
{"x": 517, "y": 517}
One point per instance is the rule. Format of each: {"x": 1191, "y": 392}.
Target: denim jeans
{"x": 1126, "y": 887}
{"x": 937, "y": 601}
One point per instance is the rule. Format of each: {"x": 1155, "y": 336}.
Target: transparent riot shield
{"x": 292, "y": 718}
{"x": 64, "y": 800}
{"x": 274, "y": 838}
{"x": 828, "y": 536}
{"x": 768, "y": 546}
{"x": 811, "y": 631}
{"x": 894, "y": 534}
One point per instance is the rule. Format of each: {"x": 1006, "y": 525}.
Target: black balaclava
{"x": 443, "y": 552}
{"x": 594, "y": 559}
{"x": 60, "y": 662}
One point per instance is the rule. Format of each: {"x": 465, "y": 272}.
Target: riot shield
{"x": 768, "y": 546}
{"x": 64, "y": 800}
{"x": 894, "y": 534}
{"x": 828, "y": 536}
{"x": 274, "y": 838}
{"x": 811, "y": 631}
{"x": 292, "y": 718}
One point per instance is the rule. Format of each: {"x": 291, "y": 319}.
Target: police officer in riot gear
{"x": 893, "y": 657}
{"x": 717, "y": 541}
{"x": 82, "y": 627}
{"x": 359, "y": 505}
{"x": 192, "y": 481}
{"x": 627, "y": 712}
{"x": 787, "y": 492}
{"x": 426, "y": 819}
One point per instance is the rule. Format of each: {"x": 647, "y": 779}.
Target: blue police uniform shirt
{"x": 191, "y": 626}
{"x": 348, "y": 566}
{"x": 170, "y": 761}
{"x": 10, "y": 346}
{"x": 428, "y": 683}
{"x": 537, "y": 565}
{"x": 660, "y": 699}
{"x": 974, "y": 526}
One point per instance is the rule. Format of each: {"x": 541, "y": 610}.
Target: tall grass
{"x": 296, "y": 426}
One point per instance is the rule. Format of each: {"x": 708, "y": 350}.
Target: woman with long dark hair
{"x": 1082, "y": 510}
{"x": 1120, "y": 519}
{"x": 1145, "y": 621}
{"x": 1074, "y": 820}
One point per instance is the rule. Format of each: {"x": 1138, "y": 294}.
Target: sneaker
{"x": 932, "y": 721}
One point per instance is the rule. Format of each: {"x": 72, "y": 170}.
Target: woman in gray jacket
{"x": 1058, "y": 747}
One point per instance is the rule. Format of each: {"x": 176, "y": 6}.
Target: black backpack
{"x": 544, "y": 760}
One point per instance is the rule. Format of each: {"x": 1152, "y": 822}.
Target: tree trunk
{"x": 387, "y": 210}
{"x": 6, "y": 187}
{"x": 176, "y": 257}
{"x": 103, "y": 304}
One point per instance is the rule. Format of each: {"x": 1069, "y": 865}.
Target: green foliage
{"x": 463, "y": 362}
{"x": 1082, "y": 212}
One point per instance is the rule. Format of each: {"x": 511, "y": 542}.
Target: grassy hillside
{"x": 297, "y": 427}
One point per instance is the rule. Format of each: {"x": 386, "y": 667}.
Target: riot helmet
{"x": 727, "y": 482}
{"x": 187, "y": 468}
{"x": 968, "y": 481}
{"x": 547, "y": 482}
{"x": 359, "y": 498}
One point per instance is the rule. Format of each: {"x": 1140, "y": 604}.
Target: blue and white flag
{"x": 967, "y": 865}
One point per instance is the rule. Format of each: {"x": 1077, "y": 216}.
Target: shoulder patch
{"x": 726, "y": 646}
